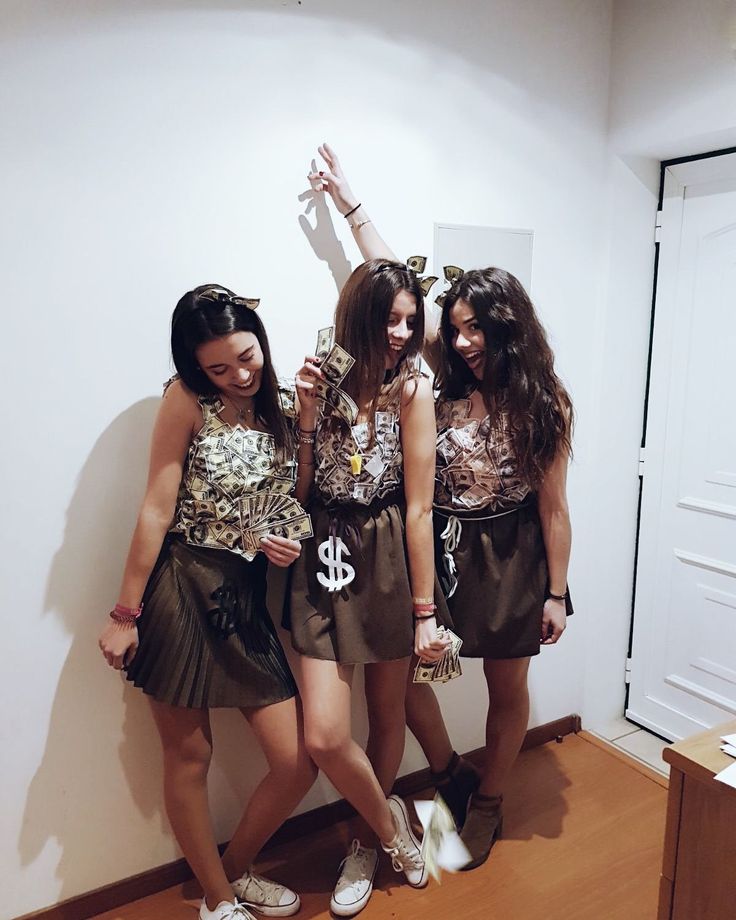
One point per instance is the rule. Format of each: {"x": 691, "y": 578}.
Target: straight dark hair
{"x": 518, "y": 375}
{"x": 209, "y": 312}
{"x": 361, "y": 318}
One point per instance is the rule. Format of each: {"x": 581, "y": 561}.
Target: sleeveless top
{"x": 382, "y": 463}
{"x": 474, "y": 473}
{"x": 224, "y": 464}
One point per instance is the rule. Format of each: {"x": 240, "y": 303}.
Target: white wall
{"x": 152, "y": 146}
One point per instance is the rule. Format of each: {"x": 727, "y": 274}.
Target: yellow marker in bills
{"x": 356, "y": 464}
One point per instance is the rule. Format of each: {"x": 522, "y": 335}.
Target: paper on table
{"x": 729, "y": 749}
{"x": 727, "y": 776}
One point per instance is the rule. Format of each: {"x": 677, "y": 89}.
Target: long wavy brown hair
{"x": 361, "y": 320}
{"x": 519, "y": 378}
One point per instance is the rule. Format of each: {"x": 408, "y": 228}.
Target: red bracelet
{"x": 424, "y": 607}
{"x": 122, "y": 614}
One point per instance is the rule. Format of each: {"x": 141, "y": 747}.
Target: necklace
{"x": 242, "y": 413}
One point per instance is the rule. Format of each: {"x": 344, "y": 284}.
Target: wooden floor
{"x": 583, "y": 839}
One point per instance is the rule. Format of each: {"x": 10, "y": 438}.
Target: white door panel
{"x": 683, "y": 672}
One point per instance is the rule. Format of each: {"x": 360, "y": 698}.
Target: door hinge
{"x": 627, "y": 672}
{"x": 658, "y": 227}
{"x": 642, "y": 457}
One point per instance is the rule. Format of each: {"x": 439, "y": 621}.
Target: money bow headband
{"x": 222, "y": 295}
{"x": 452, "y": 275}
{"x": 417, "y": 264}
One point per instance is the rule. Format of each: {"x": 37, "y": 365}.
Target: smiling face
{"x": 400, "y": 328}
{"x": 468, "y": 338}
{"x": 233, "y": 363}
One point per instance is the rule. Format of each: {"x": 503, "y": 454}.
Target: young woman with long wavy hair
{"x": 501, "y": 522}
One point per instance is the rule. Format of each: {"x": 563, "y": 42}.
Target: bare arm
{"x": 307, "y": 407}
{"x": 333, "y": 181}
{"x": 369, "y": 240}
{"x": 418, "y": 443}
{"x": 175, "y": 424}
{"x": 554, "y": 516}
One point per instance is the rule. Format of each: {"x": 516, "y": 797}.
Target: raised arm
{"x": 418, "y": 443}
{"x": 177, "y": 417}
{"x": 370, "y": 242}
{"x": 332, "y": 180}
{"x": 557, "y": 533}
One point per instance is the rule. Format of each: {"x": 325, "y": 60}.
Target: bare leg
{"x": 385, "y": 684}
{"x": 187, "y": 742}
{"x": 326, "y": 690}
{"x": 507, "y": 720}
{"x": 424, "y": 718}
{"x": 280, "y": 732}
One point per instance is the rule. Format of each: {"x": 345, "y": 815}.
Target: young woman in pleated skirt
{"x": 191, "y": 628}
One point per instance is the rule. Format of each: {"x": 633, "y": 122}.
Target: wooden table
{"x": 699, "y": 865}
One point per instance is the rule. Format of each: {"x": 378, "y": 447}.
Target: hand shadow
{"x": 321, "y": 235}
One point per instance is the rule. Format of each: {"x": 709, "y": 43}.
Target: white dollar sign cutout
{"x": 341, "y": 573}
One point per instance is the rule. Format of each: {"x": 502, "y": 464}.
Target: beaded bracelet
{"x": 122, "y": 614}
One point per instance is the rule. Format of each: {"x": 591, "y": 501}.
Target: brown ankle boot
{"x": 483, "y": 826}
{"x": 456, "y": 783}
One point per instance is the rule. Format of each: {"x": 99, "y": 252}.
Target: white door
{"x": 683, "y": 668}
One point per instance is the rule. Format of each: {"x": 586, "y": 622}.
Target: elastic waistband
{"x": 482, "y": 514}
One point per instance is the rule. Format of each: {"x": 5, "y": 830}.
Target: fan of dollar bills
{"x": 335, "y": 363}
{"x": 447, "y": 667}
{"x": 442, "y": 847}
{"x": 274, "y": 513}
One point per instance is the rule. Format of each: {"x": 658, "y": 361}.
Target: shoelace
{"x": 267, "y": 889}
{"x": 355, "y": 868}
{"x": 402, "y": 859}
{"x": 237, "y": 912}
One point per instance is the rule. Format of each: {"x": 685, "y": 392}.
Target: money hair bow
{"x": 452, "y": 275}
{"x": 417, "y": 264}
{"x": 222, "y": 295}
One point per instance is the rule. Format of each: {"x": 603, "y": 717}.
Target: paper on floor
{"x": 729, "y": 749}
{"x": 729, "y": 739}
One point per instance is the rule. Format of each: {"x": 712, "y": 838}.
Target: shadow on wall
{"x": 321, "y": 235}
{"x": 83, "y": 581}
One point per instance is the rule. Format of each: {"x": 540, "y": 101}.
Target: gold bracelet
{"x": 361, "y": 223}
{"x": 422, "y": 600}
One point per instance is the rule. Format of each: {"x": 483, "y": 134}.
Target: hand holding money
{"x": 279, "y": 550}
{"x": 445, "y": 668}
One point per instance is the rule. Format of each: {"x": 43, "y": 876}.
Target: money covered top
{"x": 472, "y": 472}
{"x": 234, "y": 486}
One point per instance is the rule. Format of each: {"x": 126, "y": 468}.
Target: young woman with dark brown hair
{"x": 191, "y": 626}
{"x": 370, "y": 565}
{"x": 501, "y": 521}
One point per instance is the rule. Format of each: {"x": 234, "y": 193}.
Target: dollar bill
{"x": 325, "y": 338}
{"x": 416, "y": 263}
{"x": 363, "y": 491}
{"x": 427, "y": 283}
{"x": 442, "y": 847}
{"x": 336, "y": 365}
{"x": 453, "y": 273}
{"x": 337, "y": 400}
{"x": 447, "y": 667}
{"x": 299, "y": 528}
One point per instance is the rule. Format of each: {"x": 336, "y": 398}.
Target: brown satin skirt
{"x": 501, "y": 570}
{"x": 370, "y": 619}
{"x": 206, "y": 638}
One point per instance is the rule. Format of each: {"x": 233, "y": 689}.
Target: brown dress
{"x": 369, "y": 618}
{"x": 489, "y": 549}
{"x": 206, "y": 638}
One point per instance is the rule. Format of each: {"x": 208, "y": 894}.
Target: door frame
{"x": 663, "y": 166}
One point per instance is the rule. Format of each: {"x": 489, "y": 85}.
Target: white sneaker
{"x": 225, "y": 910}
{"x": 267, "y": 897}
{"x": 355, "y": 882}
{"x": 404, "y": 848}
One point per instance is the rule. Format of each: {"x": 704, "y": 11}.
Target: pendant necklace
{"x": 241, "y": 413}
